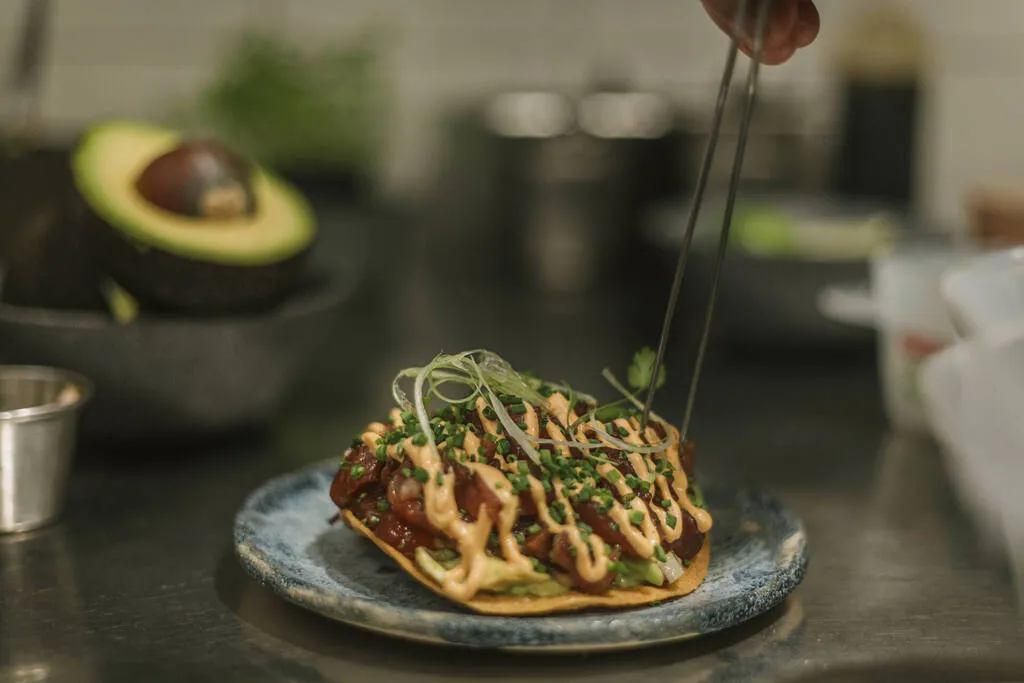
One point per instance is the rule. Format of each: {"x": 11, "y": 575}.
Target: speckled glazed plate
{"x": 283, "y": 539}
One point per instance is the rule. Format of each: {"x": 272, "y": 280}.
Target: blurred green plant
{"x": 297, "y": 109}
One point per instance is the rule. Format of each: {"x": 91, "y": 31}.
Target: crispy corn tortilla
{"x": 509, "y": 605}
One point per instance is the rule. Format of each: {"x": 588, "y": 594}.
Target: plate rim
{"x": 419, "y": 624}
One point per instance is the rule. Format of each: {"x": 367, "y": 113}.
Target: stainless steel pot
{"x": 551, "y": 188}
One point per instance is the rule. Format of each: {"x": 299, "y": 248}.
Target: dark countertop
{"x": 138, "y": 583}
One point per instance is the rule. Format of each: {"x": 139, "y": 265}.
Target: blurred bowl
{"x": 986, "y": 293}
{"x": 784, "y": 249}
{"x": 165, "y": 377}
{"x": 902, "y": 301}
{"x": 974, "y": 392}
{"x": 945, "y": 387}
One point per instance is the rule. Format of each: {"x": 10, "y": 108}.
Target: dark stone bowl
{"x": 178, "y": 377}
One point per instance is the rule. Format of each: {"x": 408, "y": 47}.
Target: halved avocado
{"x": 187, "y": 225}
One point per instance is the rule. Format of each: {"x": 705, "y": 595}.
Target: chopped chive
{"x": 439, "y": 479}
{"x": 373, "y": 520}
{"x": 490, "y": 414}
{"x": 545, "y": 458}
{"x": 623, "y": 432}
{"x": 687, "y": 563}
{"x": 420, "y": 475}
{"x": 523, "y": 426}
{"x": 382, "y": 452}
{"x": 533, "y": 529}
{"x": 557, "y": 512}
{"x": 547, "y": 486}
{"x": 585, "y": 527}
{"x": 358, "y": 471}
{"x": 665, "y": 503}
{"x": 617, "y": 567}
{"x": 517, "y": 409}
{"x": 406, "y": 472}
{"x": 524, "y": 467}
{"x": 539, "y": 566}
{"x": 383, "y": 506}
{"x": 614, "y": 526}
{"x": 671, "y": 520}
{"x": 613, "y": 476}
{"x": 659, "y": 553}
{"x": 636, "y": 517}
{"x": 420, "y": 440}
{"x": 503, "y": 447}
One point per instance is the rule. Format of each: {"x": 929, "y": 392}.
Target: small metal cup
{"x": 38, "y": 423}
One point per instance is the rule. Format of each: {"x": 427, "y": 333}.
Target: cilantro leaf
{"x": 640, "y": 370}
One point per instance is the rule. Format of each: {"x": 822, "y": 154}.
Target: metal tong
{"x": 761, "y": 22}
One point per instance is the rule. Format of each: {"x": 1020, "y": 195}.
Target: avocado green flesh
{"x": 762, "y": 230}
{"x": 501, "y": 577}
{"x": 769, "y": 231}
{"x": 698, "y": 496}
{"x": 637, "y": 572}
{"x": 123, "y": 306}
{"x": 109, "y": 161}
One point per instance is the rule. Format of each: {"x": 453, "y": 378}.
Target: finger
{"x": 782, "y": 20}
{"x": 783, "y": 25}
{"x": 722, "y": 21}
{"x": 808, "y": 24}
{"x": 778, "y": 55}
{"x": 772, "y": 57}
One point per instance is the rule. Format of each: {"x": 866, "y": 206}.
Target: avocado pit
{"x": 200, "y": 179}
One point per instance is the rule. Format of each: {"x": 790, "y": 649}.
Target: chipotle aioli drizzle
{"x": 590, "y": 551}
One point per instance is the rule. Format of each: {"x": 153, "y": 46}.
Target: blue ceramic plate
{"x": 283, "y": 539}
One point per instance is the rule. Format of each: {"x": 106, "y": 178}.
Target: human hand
{"x": 792, "y": 24}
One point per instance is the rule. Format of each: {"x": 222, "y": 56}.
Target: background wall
{"x": 135, "y": 57}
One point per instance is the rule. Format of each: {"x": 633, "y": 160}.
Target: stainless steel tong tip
{"x": 761, "y": 23}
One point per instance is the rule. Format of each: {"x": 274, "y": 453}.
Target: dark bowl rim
{"x": 330, "y": 290}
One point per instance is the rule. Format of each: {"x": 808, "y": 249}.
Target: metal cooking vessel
{"x": 550, "y": 187}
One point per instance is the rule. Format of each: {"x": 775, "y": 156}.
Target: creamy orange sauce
{"x": 591, "y": 552}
